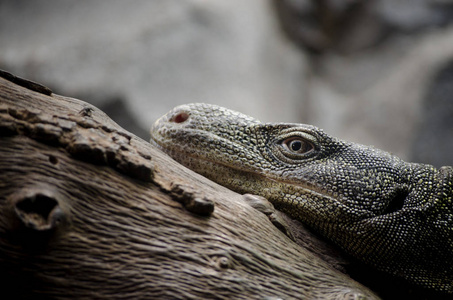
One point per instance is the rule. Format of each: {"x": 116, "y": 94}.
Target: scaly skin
{"x": 390, "y": 214}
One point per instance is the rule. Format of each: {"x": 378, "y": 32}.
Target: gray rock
{"x": 434, "y": 140}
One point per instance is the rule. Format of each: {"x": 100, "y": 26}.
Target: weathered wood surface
{"x": 88, "y": 210}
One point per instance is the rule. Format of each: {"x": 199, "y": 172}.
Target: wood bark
{"x": 88, "y": 210}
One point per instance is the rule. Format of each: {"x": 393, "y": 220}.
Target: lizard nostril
{"x": 180, "y": 117}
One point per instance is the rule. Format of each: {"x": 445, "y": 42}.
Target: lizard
{"x": 392, "y": 215}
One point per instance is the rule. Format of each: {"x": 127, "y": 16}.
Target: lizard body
{"x": 385, "y": 212}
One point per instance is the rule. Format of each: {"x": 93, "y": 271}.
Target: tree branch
{"x": 89, "y": 210}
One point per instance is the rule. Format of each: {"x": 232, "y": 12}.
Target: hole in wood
{"x": 53, "y": 160}
{"x": 39, "y": 212}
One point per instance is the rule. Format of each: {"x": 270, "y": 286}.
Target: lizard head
{"x": 299, "y": 168}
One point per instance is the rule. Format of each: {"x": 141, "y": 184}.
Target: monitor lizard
{"x": 390, "y": 214}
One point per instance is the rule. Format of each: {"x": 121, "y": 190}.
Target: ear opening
{"x": 397, "y": 201}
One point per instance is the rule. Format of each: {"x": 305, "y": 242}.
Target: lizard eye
{"x": 295, "y": 145}
{"x": 298, "y": 145}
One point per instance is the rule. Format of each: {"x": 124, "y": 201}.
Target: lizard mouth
{"x": 187, "y": 157}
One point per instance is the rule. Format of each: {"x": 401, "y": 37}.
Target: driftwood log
{"x": 88, "y": 210}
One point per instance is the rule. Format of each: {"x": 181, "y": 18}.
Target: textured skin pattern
{"x": 393, "y": 215}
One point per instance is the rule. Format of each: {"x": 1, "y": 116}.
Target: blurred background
{"x": 377, "y": 72}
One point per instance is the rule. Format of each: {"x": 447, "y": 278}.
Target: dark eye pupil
{"x": 299, "y": 146}
{"x": 295, "y": 145}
